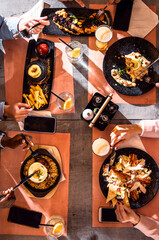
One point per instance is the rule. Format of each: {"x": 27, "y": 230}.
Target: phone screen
{"x": 40, "y": 124}
{"x": 122, "y": 15}
{"x": 107, "y": 215}
{"x": 24, "y": 217}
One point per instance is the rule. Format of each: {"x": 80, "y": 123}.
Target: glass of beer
{"x": 103, "y": 35}
{"x": 101, "y": 147}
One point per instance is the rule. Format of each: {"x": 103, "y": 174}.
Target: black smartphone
{"x": 40, "y": 124}
{"x": 122, "y": 15}
{"x": 24, "y": 217}
{"x": 107, "y": 215}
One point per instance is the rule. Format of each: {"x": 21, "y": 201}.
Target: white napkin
{"x": 35, "y": 12}
{"x": 143, "y": 19}
{"x": 35, "y": 113}
{"x": 134, "y": 142}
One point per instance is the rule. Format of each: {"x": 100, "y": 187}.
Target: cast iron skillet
{"x": 53, "y": 29}
{"x": 149, "y": 163}
{"x": 40, "y": 192}
{"x": 112, "y": 59}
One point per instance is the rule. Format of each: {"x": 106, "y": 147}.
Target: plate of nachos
{"x": 133, "y": 179}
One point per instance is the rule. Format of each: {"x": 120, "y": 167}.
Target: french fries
{"x": 36, "y": 97}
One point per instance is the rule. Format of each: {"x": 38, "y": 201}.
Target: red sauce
{"x": 42, "y": 49}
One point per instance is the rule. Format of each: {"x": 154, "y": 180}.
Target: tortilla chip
{"x": 111, "y": 195}
{"x": 125, "y": 201}
{"x": 114, "y": 202}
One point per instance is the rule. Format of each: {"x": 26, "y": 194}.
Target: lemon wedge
{"x": 67, "y": 104}
{"x": 58, "y": 227}
{"x": 74, "y": 53}
{"x": 136, "y": 63}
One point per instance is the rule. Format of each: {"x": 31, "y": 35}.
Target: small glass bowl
{"x": 74, "y": 44}
{"x": 52, "y": 221}
{"x": 65, "y": 96}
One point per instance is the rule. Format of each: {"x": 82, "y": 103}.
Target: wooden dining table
{"x": 73, "y": 135}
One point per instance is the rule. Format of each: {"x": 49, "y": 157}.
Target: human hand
{"x": 17, "y": 141}
{"x": 14, "y": 111}
{"x": 125, "y": 214}
{"x": 80, "y": 2}
{"x": 157, "y": 85}
{"x": 30, "y": 22}
{"x": 8, "y": 201}
{"x": 121, "y": 133}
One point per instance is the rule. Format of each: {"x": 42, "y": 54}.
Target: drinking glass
{"x": 74, "y": 45}
{"x": 54, "y": 220}
{"x": 65, "y": 96}
{"x": 103, "y": 35}
{"x": 101, "y": 147}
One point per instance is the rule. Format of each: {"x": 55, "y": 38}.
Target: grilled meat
{"x": 76, "y": 25}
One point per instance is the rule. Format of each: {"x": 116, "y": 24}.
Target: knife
{"x": 112, "y": 158}
{"x": 22, "y": 182}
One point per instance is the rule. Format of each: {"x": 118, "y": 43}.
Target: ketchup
{"x": 42, "y": 49}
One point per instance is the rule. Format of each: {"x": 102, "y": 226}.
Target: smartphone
{"x": 107, "y": 215}
{"x": 40, "y": 124}
{"x": 122, "y": 15}
{"x": 24, "y": 217}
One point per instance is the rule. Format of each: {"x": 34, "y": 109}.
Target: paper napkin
{"x": 143, "y": 19}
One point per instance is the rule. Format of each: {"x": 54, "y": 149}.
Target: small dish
{"x": 40, "y": 68}
{"x": 42, "y": 49}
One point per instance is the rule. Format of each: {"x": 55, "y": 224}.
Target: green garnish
{"x": 121, "y": 71}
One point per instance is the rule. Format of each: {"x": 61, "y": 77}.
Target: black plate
{"x": 149, "y": 163}
{"x": 48, "y": 61}
{"x": 126, "y": 46}
{"x": 53, "y": 29}
{"x": 40, "y": 192}
{"x": 108, "y": 112}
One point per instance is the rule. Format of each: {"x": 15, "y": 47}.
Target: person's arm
{"x": 150, "y": 128}
{"x": 8, "y": 27}
{"x": 145, "y": 224}
{"x": 15, "y": 141}
{"x": 2, "y": 110}
{"x": 9, "y": 199}
{"x": 149, "y": 227}
{"x": 121, "y": 133}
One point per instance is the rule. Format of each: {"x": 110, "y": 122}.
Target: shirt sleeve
{"x": 149, "y": 227}
{"x": 2, "y": 110}
{"x": 1, "y": 136}
{"x": 150, "y": 128}
{"x": 8, "y": 27}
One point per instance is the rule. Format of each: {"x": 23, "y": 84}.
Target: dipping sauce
{"x": 42, "y": 49}
{"x": 100, "y": 147}
{"x": 103, "y": 35}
